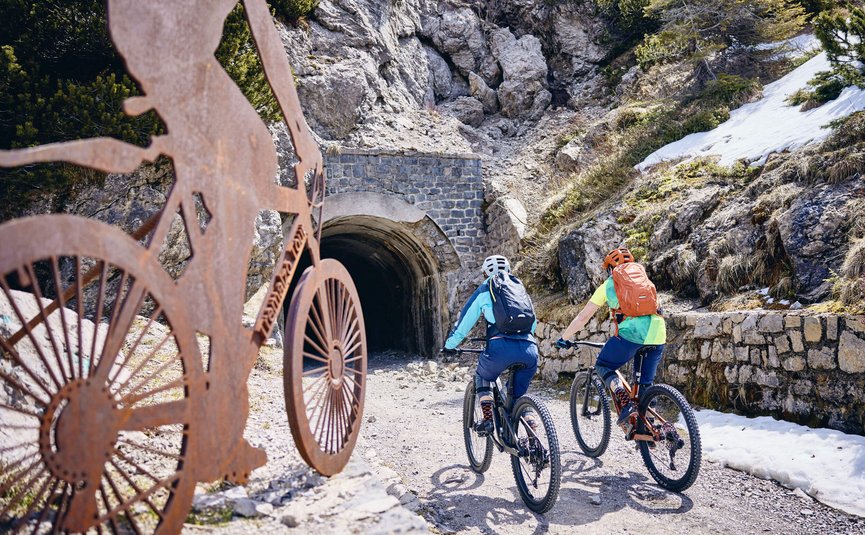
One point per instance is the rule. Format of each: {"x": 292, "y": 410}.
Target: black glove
{"x": 561, "y": 343}
{"x": 449, "y": 352}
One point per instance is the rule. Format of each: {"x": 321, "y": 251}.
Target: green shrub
{"x": 847, "y": 131}
{"x": 663, "y": 47}
{"x": 730, "y": 91}
{"x": 61, "y": 81}
{"x": 294, "y": 9}
{"x": 841, "y": 32}
{"x": 825, "y": 86}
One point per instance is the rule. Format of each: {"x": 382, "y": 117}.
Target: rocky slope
{"x": 527, "y": 84}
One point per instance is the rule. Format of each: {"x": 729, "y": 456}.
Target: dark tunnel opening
{"x": 396, "y": 278}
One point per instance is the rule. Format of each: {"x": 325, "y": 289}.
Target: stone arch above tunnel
{"x": 410, "y": 228}
{"x": 448, "y": 188}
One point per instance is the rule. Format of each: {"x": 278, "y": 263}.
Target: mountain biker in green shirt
{"x": 634, "y": 334}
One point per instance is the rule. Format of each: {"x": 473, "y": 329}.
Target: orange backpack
{"x": 636, "y": 293}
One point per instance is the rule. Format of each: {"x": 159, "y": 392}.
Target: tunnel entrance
{"x": 398, "y": 279}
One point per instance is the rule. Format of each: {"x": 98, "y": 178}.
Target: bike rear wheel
{"x": 98, "y": 376}
{"x": 538, "y": 468}
{"x": 590, "y": 414}
{"x": 674, "y": 459}
{"x": 479, "y": 449}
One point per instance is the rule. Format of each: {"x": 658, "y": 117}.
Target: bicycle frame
{"x": 633, "y": 393}
{"x": 503, "y": 399}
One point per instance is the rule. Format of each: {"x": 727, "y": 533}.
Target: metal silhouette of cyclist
{"x": 221, "y": 151}
{"x": 503, "y": 350}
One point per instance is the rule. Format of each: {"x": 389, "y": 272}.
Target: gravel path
{"x": 413, "y": 424}
{"x": 410, "y": 459}
{"x": 286, "y": 496}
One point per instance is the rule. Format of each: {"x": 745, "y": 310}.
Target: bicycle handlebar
{"x": 465, "y": 350}
{"x": 572, "y": 343}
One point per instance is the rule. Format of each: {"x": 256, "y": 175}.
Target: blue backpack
{"x": 512, "y": 306}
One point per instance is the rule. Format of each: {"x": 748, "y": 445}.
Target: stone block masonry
{"x": 449, "y": 188}
{"x": 804, "y": 368}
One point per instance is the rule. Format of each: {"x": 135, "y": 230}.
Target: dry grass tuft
{"x": 848, "y": 166}
{"x": 854, "y": 263}
{"x": 734, "y": 272}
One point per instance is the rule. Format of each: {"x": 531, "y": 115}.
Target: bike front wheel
{"x": 325, "y": 363}
{"x": 479, "y": 449}
{"x": 537, "y": 468}
{"x": 674, "y": 458}
{"x": 590, "y": 414}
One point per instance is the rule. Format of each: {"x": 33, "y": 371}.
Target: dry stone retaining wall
{"x": 804, "y": 368}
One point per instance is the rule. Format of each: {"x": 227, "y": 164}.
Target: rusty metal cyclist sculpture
{"x": 120, "y": 387}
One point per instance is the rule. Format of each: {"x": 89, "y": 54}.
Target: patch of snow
{"x": 794, "y": 47}
{"x": 769, "y": 125}
{"x": 827, "y": 465}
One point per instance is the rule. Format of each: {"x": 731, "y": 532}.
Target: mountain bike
{"x": 524, "y": 429}
{"x": 664, "y": 426}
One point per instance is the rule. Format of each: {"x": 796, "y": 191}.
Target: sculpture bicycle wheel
{"x": 95, "y": 383}
{"x": 325, "y": 366}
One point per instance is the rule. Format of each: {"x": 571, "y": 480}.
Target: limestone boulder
{"x": 523, "y": 100}
{"x": 582, "y": 251}
{"x": 523, "y": 94}
{"x": 335, "y": 99}
{"x": 692, "y": 210}
{"x": 440, "y": 75}
{"x": 573, "y": 156}
{"x": 456, "y": 31}
{"x": 481, "y": 91}
{"x": 521, "y": 59}
{"x": 813, "y": 231}
{"x": 468, "y": 110}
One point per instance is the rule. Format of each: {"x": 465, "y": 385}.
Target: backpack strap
{"x": 614, "y": 317}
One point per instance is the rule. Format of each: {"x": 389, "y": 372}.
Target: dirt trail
{"x": 413, "y": 424}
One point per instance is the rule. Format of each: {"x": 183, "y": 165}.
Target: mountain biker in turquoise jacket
{"x": 502, "y": 351}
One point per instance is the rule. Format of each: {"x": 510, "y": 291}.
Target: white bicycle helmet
{"x": 495, "y": 263}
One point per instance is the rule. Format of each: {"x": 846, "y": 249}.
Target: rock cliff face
{"x": 358, "y": 60}
{"x": 782, "y": 229}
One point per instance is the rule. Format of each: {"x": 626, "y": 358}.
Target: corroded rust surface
{"x": 120, "y": 387}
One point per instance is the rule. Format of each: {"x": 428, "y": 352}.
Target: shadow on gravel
{"x": 452, "y": 506}
{"x": 587, "y": 493}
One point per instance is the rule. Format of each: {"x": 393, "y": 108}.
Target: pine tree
{"x": 842, "y": 34}
{"x": 61, "y": 79}
{"x": 697, "y": 28}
